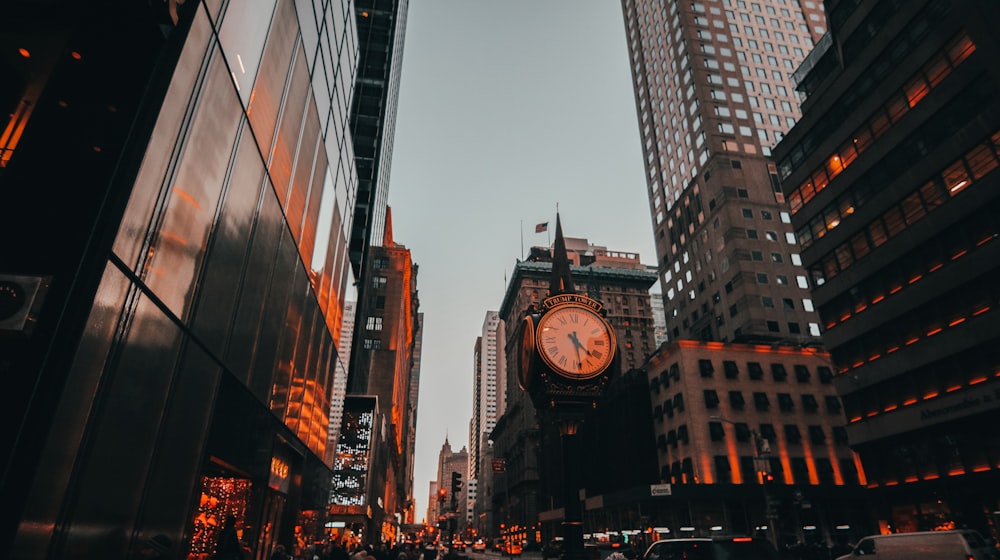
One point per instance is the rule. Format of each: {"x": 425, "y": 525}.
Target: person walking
{"x": 228, "y": 547}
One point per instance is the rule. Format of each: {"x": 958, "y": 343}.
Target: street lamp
{"x": 762, "y": 465}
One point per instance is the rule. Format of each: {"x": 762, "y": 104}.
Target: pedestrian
{"x": 228, "y": 547}
{"x": 279, "y": 553}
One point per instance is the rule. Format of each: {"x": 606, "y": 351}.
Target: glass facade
{"x": 202, "y": 182}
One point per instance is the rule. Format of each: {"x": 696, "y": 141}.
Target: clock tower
{"x": 567, "y": 353}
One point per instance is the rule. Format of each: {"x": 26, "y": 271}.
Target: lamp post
{"x": 762, "y": 466}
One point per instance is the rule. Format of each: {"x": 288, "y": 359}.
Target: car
{"x": 711, "y": 548}
{"x": 479, "y": 546}
{"x": 511, "y": 548}
{"x": 553, "y": 548}
{"x": 939, "y": 545}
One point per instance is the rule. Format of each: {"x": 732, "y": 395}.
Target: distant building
{"x": 489, "y": 371}
{"x": 382, "y": 367}
{"x": 452, "y": 510}
{"x": 892, "y": 180}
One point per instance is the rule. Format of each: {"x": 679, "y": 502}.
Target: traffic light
{"x": 456, "y": 482}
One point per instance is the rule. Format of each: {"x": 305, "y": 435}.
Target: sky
{"x": 507, "y": 108}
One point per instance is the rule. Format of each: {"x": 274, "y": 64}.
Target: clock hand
{"x": 578, "y": 346}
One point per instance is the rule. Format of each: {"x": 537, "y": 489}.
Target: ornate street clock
{"x": 575, "y": 342}
{"x": 567, "y": 350}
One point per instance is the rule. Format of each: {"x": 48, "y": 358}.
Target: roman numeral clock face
{"x": 575, "y": 342}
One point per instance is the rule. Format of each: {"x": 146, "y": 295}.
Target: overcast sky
{"x": 506, "y": 109}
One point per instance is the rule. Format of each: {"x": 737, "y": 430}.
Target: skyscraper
{"x": 892, "y": 181}
{"x": 177, "y": 358}
{"x": 714, "y": 93}
{"x": 489, "y": 371}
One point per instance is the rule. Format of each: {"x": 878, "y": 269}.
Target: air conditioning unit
{"x": 20, "y": 299}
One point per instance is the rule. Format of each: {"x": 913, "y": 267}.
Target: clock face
{"x": 575, "y": 342}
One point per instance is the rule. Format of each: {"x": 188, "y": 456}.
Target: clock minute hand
{"x": 578, "y": 346}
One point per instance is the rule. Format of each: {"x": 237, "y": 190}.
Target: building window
{"x": 816, "y": 434}
{"x": 785, "y": 402}
{"x": 716, "y": 431}
{"x": 825, "y": 375}
{"x": 374, "y": 324}
{"x": 730, "y": 368}
{"x": 760, "y": 401}
{"x": 778, "y": 372}
{"x": 840, "y": 435}
{"x": 379, "y": 281}
{"x": 809, "y": 403}
{"x": 736, "y": 400}
{"x": 755, "y": 371}
{"x": 372, "y": 343}
{"x": 802, "y": 373}
{"x": 711, "y": 399}
{"x": 833, "y": 405}
{"x": 792, "y": 434}
{"x": 706, "y": 368}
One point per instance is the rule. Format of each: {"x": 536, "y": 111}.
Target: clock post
{"x": 567, "y": 353}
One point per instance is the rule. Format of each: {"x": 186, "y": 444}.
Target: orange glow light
{"x": 830, "y": 325}
{"x": 977, "y": 380}
{"x": 956, "y": 472}
{"x": 874, "y": 357}
{"x": 933, "y": 332}
{"x": 952, "y": 389}
{"x": 981, "y": 469}
{"x": 895, "y": 289}
{"x": 980, "y": 311}
{"x": 916, "y": 278}
{"x": 24, "y": 52}
{"x": 861, "y": 308}
{"x": 872, "y": 413}
{"x": 858, "y": 364}
{"x": 891, "y": 350}
{"x": 877, "y": 299}
{"x": 911, "y": 479}
{"x": 958, "y": 255}
{"x": 891, "y": 407}
{"x": 984, "y": 240}
{"x": 935, "y": 267}
{"x": 76, "y": 55}
{"x": 929, "y": 396}
{"x": 892, "y": 483}
{"x": 845, "y": 317}
{"x": 855, "y": 419}
{"x": 908, "y": 402}
{"x": 912, "y": 340}
{"x": 932, "y": 477}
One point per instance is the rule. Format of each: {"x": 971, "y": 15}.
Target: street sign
{"x": 499, "y": 465}
{"x": 660, "y": 490}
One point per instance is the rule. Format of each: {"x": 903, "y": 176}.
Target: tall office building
{"x": 340, "y": 377}
{"x": 451, "y": 510}
{"x": 489, "y": 371}
{"x": 175, "y": 358}
{"x": 713, "y": 94}
{"x": 892, "y": 181}
{"x": 487, "y": 403}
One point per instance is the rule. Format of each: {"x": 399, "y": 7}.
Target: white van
{"x": 936, "y": 545}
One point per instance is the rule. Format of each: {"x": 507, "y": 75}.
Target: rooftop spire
{"x": 562, "y": 281}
